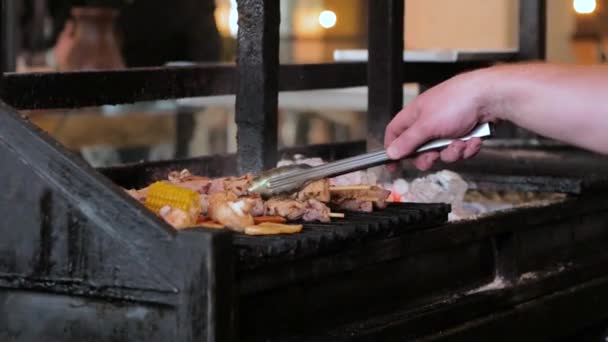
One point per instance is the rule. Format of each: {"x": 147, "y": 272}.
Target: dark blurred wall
{"x": 152, "y": 32}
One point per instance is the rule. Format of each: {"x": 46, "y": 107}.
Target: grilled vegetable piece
{"x": 178, "y": 206}
{"x": 271, "y": 228}
{"x": 162, "y": 194}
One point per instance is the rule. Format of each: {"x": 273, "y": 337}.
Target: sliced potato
{"x": 271, "y": 228}
{"x": 274, "y": 219}
{"x": 211, "y": 225}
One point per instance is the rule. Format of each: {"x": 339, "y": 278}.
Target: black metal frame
{"x": 8, "y": 36}
{"x": 258, "y": 76}
{"x": 88, "y": 245}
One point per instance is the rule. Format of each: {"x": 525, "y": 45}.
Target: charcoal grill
{"x": 81, "y": 260}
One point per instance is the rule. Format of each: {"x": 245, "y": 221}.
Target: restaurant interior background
{"x": 311, "y": 32}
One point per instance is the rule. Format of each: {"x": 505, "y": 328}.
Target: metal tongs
{"x": 291, "y": 178}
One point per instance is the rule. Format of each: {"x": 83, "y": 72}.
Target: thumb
{"x": 408, "y": 141}
{"x": 68, "y": 29}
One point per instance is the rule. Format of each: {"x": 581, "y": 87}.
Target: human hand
{"x": 450, "y": 110}
{"x": 65, "y": 45}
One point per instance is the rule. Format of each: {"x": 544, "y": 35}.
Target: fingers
{"x": 68, "y": 29}
{"x": 426, "y": 160}
{"x": 460, "y": 150}
{"x": 408, "y": 141}
{"x": 402, "y": 121}
{"x": 392, "y": 167}
{"x": 455, "y": 151}
{"x": 473, "y": 147}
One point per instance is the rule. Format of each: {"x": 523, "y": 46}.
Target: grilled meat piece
{"x": 226, "y": 200}
{"x": 316, "y": 211}
{"x": 204, "y": 203}
{"x": 217, "y": 186}
{"x": 360, "y": 200}
{"x": 310, "y": 210}
{"x": 354, "y": 205}
{"x": 288, "y": 208}
{"x": 178, "y": 176}
{"x": 238, "y": 185}
{"x": 195, "y": 183}
{"x": 318, "y": 190}
{"x": 257, "y": 208}
{"x": 139, "y": 195}
{"x": 231, "y": 211}
{"x": 178, "y": 218}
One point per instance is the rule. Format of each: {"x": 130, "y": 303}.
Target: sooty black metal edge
{"x": 187, "y": 273}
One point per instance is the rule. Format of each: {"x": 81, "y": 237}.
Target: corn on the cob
{"x": 163, "y": 194}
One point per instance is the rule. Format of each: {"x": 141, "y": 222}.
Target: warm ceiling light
{"x": 327, "y": 19}
{"x": 584, "y": 6}
{"x": 233, "y": 19}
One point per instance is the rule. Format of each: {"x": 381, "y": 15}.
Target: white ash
{"x": 497, "y": 284}
{"x": 441, "y": 187}
{"x": 529, "y": 276}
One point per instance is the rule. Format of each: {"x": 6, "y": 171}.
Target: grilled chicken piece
{"x": 310, "y": 210}
{"x": 178, "y": 176}
{"x": 318, "y": 190}
{"x": 195, "y": 183}
{"x": 257, "y": 208}
{"x": 178, "y": 218}
{"x": 361, "y": 200}
{"x": 354, "y": 205}
{"x": 231, "y": 211}
{"x": 217, "y": 186}
{"x": 287, "y": 208}
{"x": 316, "y": 211}
{"x": 238, "y": 185}
{"x": 139, "y": 195}
{"x": 204, "y": 203}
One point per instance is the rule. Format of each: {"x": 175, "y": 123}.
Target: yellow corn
{"x": 163, "y": 194}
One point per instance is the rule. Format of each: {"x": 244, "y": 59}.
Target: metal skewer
{"x": 290, "y": 179}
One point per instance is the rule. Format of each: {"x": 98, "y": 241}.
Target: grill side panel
{"x": 79, "y": 257}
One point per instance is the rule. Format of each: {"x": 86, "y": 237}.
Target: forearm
{"x": 566, "y": 103}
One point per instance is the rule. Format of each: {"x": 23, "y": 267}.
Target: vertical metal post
{"x": 8, "y": 43}
{"x": 385, "y": 66}
{"x": 184, "y": 131}
{"x": 257, "y": 96}
{"x": 532, "y": 29}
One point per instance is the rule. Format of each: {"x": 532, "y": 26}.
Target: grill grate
{"x": 321, "y": 238}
